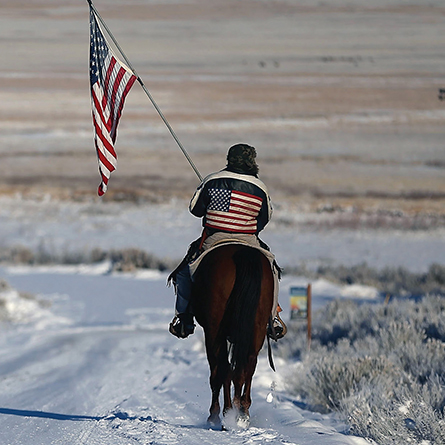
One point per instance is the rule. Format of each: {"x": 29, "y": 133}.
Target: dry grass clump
{"x": 122, "y": 260}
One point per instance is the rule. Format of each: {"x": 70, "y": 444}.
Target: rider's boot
{"x": 182, "y": 325}
{"x": 278, "y": 329}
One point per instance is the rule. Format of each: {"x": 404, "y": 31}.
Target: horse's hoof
{"x": 214, "y": 422}
{"x": 243, "y": 421}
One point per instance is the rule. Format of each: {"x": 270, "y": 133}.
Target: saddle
{"x": 195, "y": 251}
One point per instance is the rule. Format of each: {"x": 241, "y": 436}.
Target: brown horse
{"x": 232, "y": 300}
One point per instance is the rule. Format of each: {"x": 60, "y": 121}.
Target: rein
{"x": 269, "y": 349}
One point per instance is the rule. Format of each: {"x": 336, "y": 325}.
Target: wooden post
{"x": 309, "y": 316}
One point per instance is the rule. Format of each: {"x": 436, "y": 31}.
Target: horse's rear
{"x": 232, "y": 300}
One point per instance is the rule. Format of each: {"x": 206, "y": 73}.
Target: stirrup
{"x": 277, "y": 329}
{"x": 182, "y": 326}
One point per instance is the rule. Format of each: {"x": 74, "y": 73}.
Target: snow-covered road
{"x": 103, "y": 369}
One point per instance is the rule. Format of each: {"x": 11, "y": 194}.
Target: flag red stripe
{"x": 110, "y": 167}
{"x": 254, "y": 203}
{"x": 250, "y": 204}
{"x": 97, "y": 106}
{"x": 103, "y": 159}
{"x": 231, "y": 215}
{"x": 248, "y": 215}
{"x": 230, "y": 229}
{"x": 103, "y": 139}
{"x": 113, "y": 107}
{"x": 253, "y": 197}
{"x": 228, "y": 225}
{"x": 107, "y": 81}
{"x": 104, "y": 177}
{"x": 114, "y": 92}
{"x": 231, "y": 221}
{"x": 110, "y": 163}
{"x": 244, "y": 209}
{"x": 121, "y": 105}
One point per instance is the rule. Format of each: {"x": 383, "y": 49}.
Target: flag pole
{"x": 184, "y": 151}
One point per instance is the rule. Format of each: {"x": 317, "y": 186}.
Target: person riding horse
{"x": 234, "y": 205}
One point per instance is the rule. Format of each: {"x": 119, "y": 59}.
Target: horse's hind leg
{"x": 219, "y": 375}
{"x": 246, "y": 399}
{"x": 238, "y": 382}
{"x": 215, "y": 386}
{"x": 242, "y": 397}
{"x": 226, "y": 389}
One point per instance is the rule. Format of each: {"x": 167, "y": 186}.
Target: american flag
{"x": 110, "y": 83}
{"x": 233, "y": 211}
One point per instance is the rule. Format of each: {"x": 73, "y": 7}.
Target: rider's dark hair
{"x": 241, "y": 159}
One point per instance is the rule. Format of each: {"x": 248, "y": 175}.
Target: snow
{"x": 95, "y": 364}
{"x": 23, "y": 309}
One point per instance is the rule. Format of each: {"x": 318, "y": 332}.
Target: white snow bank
{"x": 102, "y": 268}
{"x": 85, "y": 269}
{"x": 355, "y": 291}
{"x": 26, "y": 309}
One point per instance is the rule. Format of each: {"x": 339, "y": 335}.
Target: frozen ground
{"x": 88, "y": 359}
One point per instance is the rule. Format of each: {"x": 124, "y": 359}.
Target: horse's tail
{"x": 243, "y": 303}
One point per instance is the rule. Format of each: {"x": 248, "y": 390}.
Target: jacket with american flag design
{"x": 232, "y": 202}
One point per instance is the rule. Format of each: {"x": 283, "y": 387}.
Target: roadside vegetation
{"x": 379, "y": 366}
{"x": 121, "y": 260}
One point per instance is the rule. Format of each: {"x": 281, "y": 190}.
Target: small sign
{"x": 298, "y": 303}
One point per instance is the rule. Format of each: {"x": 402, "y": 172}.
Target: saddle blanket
{"x": 219, "y": 238}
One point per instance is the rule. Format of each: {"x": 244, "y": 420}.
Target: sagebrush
{"x": 380, "y": 366}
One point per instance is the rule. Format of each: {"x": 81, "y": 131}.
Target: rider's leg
{"x": 183, "y": 290}
{"x": 182, "y": 325}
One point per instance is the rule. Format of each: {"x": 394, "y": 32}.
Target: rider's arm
{"x": 198, "y": 204}
{"x": 265, "y": 214}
